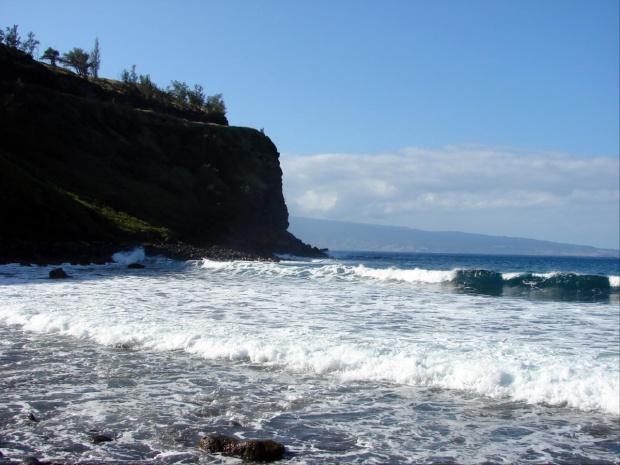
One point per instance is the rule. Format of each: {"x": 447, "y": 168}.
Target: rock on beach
{"x": 58, "y": 273}
{"x": 253, "y": 449}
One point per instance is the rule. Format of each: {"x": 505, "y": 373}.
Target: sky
{"x": 496, "y": 117}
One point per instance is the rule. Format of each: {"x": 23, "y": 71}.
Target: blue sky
{"x": 429, "y": 87}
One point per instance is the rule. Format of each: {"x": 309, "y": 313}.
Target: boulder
{"x": 99, "y": 438}
{"x": 58, "y": 273}
{"x": 262, "y": 451}
{"x": 213, "y": 444}
{"x": 253, "y": 449}
{"x": 30, "y": 461}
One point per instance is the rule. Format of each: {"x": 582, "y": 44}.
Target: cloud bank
{"x": 471, "y": 188}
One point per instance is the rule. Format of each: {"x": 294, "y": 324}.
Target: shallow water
{"x": 343, "y": 360}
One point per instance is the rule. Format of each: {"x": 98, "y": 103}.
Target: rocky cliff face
{"x": 90, "y": 161}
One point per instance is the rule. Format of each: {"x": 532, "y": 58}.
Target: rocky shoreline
{"x": 254, "y": 450}
{"x": 99, "y": 253}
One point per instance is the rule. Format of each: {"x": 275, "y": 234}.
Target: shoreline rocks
{"x": 95, "y": 253}
{"x": 58, "y": 273}
{"x": 135, "y": 266}
{"x": 99, "y": 438}
{"x": 183, "y": 251}
{"x": 252, "y": 449}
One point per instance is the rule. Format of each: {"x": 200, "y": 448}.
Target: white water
{"x": 324, "y": 321}
{"x": 339, "y": 323}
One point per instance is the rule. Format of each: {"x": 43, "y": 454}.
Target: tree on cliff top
{"x": 77, "y": 59}
{"x": 50, "y": 55}
{"x": 12, "y": 39}
{"x": 196, "y": 96}
{"x": 215, "y": 104}
{"x": 178, "y": 90}
{"x": 95, "y": 59}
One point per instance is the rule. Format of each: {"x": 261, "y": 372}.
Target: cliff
{"x": 87, "y": 163}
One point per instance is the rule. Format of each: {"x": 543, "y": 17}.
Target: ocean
{"x": 378, "y": 358}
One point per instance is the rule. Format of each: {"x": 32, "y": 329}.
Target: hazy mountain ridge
{"x": 341, "y": 235}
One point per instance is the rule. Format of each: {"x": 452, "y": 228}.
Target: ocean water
{"x": 359, "y": 358}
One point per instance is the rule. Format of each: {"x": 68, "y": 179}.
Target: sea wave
{"x": 481, "y": 280}
{"x": 519, "y": 374}
{"x": 349, "y": 332}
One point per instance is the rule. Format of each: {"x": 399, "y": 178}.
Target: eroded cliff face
{"x": 77, "y": 165}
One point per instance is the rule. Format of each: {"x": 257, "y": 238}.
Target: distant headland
{"x": 89, "y": 165}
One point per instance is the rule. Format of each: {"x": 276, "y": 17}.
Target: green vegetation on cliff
{"x": 92, "y": 160}
{"x": 139, "y": 88}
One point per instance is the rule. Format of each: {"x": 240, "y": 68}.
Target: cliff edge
{"x": 88, "y": 165}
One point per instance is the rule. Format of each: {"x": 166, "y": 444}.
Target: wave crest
{"x": 555, "y": 284}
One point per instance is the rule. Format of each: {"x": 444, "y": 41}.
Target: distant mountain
{"x": 340, "y": 235}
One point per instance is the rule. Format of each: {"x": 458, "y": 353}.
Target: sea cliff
{"x": 89, "y": 165}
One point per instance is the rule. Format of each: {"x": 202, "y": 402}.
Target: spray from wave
{"x": 127, "y": 258}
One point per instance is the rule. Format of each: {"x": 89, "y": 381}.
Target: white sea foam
{"x": 614, "y": 281}
{"x": 509, "y": 276}
{"x": 214, "y": 265}
{"x": 549, "y": 275}
{"x": 544, "y": 378}
{"x": 412, "y": 276}
{"x": 331, "y": 320}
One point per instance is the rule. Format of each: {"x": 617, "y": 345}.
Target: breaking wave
{"x": 553, "y": 284}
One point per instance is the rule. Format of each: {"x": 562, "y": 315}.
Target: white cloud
{"x": 312, "y": 201}
{"x": 475, "y": 188}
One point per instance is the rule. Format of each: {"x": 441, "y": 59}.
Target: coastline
{"x": 304, "y": 353}
{"x": 99, "y": 253}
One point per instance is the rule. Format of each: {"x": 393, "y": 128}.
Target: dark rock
{"x": 99, "y": 438}
{"x": 58, "y": 273}
{"x": 136, "y": 266}
{"x": 183, "y": 251}
{"x": 31, "y": 417}
{"x": 214, "y": 444}
{"x": 30, "y": 461}
{"x": 254, "y": 449}
{"x": 262, "y": 451}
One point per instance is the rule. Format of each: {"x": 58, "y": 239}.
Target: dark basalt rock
{"x": 58, "y": 273}
{"x": 99, "y": 438}
{"x": 135, "y": 266}
{"x": 264, "y": 451}
{"x": 254, "y": 450}
{"x": 214, "y": 444}
{"x": 30, "y": 461}
{"x": 183, "y": 251}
